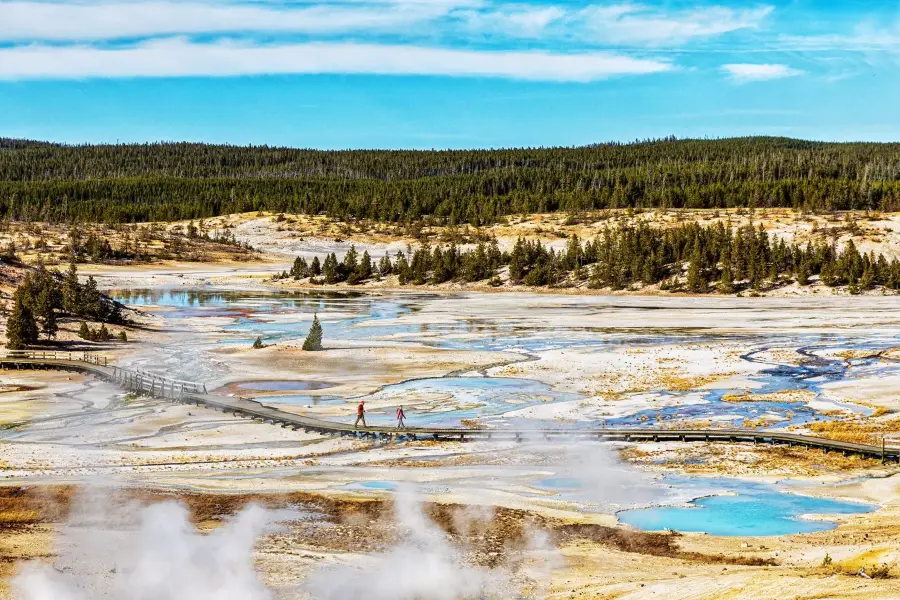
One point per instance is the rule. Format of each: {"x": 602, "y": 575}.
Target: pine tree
{"x": 573, "y": 253}
{"x": 351, "y": 260}
{"x": 21, "y": 328}
{"x": 330, "y": 269}
{"x": 71, "y": 291}
{"x": 315, "y": 269}
{"x": 517, "y": 261}
{"x": 726, "y": 281}
{"x": 74, "y": 243}
{"x": 441, "y": 271}
{"x": 419, "y": 266}
{"x": 45, "y": 309}
{"x": 84, "y": 332}
{"x": 867, "y": 280}
{"x": 123, "y": 337}
{"x": 401, "y": 268}
{"x": 384, "y": 266}
{"x": 313, "y": 341}
{"x": 695, "y": 281}
{"x": 827, "y": 274}
{"x": 299, "y": 269}
{"x": 365, "y": 266}
{"x": 91, "y": 300}
{"x": 803, "y": 273}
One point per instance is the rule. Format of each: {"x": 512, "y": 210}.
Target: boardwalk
{"x": 193, "y": 393}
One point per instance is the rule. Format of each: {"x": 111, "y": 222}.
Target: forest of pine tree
{"x": 690, "y": 258}
{"x": 163, "y": 182}
{"x": 44, "y": 296}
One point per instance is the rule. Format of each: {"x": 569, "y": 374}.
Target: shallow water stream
{"x": 378, "y": 319}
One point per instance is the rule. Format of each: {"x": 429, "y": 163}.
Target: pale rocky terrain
{"x": 60, "y": 429}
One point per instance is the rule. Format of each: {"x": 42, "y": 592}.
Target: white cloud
{"x": 745, "y": 73}
{"x": 642, "y": 25}
{"x": 616, "y": 24}
{"x": 517, "y": 21}
{"x": 56, "y": 21}
{"x": 182, "y": 58}
{"x": 865, "y": 37}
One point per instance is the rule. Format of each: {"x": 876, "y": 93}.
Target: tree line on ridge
{"x": 165, "y": 182}
{"x": 688, "y": 257}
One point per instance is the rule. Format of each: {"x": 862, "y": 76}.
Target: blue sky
{"x": 447, "y": 73}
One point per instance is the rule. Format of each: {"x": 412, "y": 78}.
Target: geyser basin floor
{"x": 628, "y": 360}
{"x": 748, "y": 509}
{"x": 449, "y": 400}
{"x": 279, "y": 386}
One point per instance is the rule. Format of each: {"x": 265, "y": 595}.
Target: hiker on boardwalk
{"x": 361, "y": 414}
{"x": 401, "y": 416}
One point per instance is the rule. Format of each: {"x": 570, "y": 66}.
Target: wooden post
{"x": 882, "y": 448}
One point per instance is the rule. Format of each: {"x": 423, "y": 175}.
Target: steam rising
{"x": 607, "y": 481}
{"x": 424, "y": 565}
{"x": 150, "y": 553}
{"x": 115, "y": 549}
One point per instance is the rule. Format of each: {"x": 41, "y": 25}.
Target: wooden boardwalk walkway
{"x": 188, "y": 392}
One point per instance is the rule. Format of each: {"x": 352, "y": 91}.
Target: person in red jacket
{"x": 401, "y": 416}
{"x": 361, "y": 414}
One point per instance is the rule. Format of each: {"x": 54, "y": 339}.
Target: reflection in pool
{"x": 748, "y": 509}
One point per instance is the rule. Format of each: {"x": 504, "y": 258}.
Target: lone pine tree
{"x": 313, "y": 340}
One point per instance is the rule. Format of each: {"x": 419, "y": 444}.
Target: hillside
{"x": 163, "y": 182}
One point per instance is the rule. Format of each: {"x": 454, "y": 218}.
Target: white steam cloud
{"x": 605, "y": 480}
{"x": 152, "y": 553}
{"x": 425, "y": 565}
{"x": 115, "y": 549}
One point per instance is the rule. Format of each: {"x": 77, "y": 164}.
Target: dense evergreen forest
{"x": 690, "y": 258}
{"x": 129, "y": 183}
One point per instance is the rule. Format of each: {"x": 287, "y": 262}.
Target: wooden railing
{"x": 88, "y": 357}
{"x": 132, "y": 380}
{"x": 186, "y": 391}
{"x": 890, "y": 445}
{"x": 155, "y": 385}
